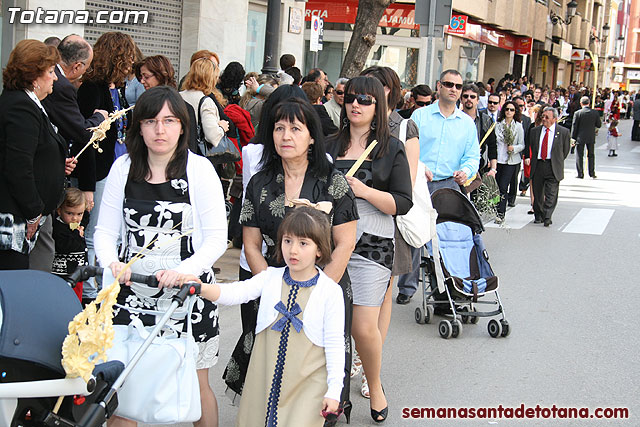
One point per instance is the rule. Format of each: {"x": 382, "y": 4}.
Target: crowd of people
{"x": 325, "y": 170}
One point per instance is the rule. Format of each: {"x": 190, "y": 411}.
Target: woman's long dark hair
{"x": 289, "y": 110}
{"x": 516, "y": 116}
{"x": 366, "y": 86}
{"x": 147, "y": 107}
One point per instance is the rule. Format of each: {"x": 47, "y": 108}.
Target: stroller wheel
{"x": 419, "y": 316}
{"x": 462, "y": 310}
{"x": 456, "y": 329}
{"x": 428, "y": 316}
{"x": 505, "y": 328}
{"x": 445, "y": 329}
{"x": 494, "y": 328}
{"x": 473, "y": 319}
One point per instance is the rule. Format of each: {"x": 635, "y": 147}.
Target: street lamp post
{"x": 272, "y": 38}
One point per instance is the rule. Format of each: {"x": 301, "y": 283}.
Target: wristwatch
{"x": 33, "y": 220}
{"x": 494, "y": 170}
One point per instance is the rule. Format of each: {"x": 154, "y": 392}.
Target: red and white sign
{"x": 458, "y": 24}
{"x": 395, "y": 16}
{"x": 493, "y": 37}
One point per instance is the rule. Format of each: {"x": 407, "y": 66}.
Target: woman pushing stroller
{"x": 162, "y": 195}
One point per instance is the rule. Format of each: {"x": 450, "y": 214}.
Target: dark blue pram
{"x": 455, "y": 270}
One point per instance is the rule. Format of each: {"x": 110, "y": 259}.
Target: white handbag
{"x": 418, "y": 226}
{"x": 163, "y": 386}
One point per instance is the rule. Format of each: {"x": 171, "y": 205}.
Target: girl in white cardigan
{"x": 297, "y": 365}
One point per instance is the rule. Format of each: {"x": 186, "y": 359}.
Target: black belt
{"x": 440, "y": 180}
{"x": 545, "y": 160}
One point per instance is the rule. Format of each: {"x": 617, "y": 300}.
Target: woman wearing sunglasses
{"x": 510, "y": 138}
{"x": 382, "y": 186}
{"x": 402, "y": 260}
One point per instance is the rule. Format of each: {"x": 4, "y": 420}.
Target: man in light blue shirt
{"x": 448, "y": 137}
{"x": 449, "y": 148}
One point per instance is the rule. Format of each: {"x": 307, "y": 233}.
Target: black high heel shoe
{"x": 331, "y": 418}
{"x": 376, "y": 414}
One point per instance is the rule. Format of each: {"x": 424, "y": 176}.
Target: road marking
{"x": 515, "y": 218}
{"x": 636, "y": 150}
{"x": 602, "y": 147}
{"x": 589, "y": 221}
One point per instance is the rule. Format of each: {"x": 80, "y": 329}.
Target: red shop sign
{"x": 395, "y": 16}
{"x": 497, "y": 38}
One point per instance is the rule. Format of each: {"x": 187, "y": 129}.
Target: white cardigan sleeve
{"x": 110, "y": 219}
{"x": 210, "y": 118}
{"x": 247, "y": 290}
{"x": 210, "y": 216}
{"x": 334, "y": 342}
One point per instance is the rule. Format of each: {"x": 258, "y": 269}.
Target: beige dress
{"x": 304, "y": 379}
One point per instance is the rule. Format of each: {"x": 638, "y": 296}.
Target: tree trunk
{"x": 364, "y": 36}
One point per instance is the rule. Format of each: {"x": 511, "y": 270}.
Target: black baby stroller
{"x": 455, "y": 271}
{"x": 35, "y": 310}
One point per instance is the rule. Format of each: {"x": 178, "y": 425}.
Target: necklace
{"x": 289, "y": 201}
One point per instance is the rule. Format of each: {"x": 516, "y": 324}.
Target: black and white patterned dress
{"x": 162, "y": 212}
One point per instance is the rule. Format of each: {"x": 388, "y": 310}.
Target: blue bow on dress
{"x": 288, "y": 316}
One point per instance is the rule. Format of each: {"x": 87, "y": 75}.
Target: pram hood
{"x": 452, "y": 205}
{"x": 36, "y": 308}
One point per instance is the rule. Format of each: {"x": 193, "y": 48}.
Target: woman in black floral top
{"x": 296, "y": 167}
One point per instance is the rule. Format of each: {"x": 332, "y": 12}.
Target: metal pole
{"x": 594, "y": 59}
{"x": 430, "y": 42}
{"x": 272, "y": 38}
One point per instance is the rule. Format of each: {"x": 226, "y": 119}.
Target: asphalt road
{"x": 569, "y": 295}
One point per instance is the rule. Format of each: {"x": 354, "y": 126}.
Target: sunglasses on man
{"x": 469, "y": 96}
{"x": 423, "y": 103}
{"x": 339, "y": 92}
{"x": 449, "y": 85}
{"x": 493, "y": 102}
{"x": 362, "y": 99}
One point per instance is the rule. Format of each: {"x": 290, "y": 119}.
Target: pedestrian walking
{"x": 612, "y": 138}
{"x": 583, "y": 130}
{"x": 550, "y": 145}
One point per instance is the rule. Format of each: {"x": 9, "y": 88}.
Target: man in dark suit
{"x": 550, "y": 145}
{"x": 62, "y": 107}
{"x": 583, "y": 130}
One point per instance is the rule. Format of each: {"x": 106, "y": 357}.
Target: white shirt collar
{"x": 61, "y": 70}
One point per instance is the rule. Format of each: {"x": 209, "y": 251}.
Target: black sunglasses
{"x": 362, "y": 99}
{"x": 493, "y": 102}
{"x": 339, "y": 92}
{"x": 510, "y": 109}
{"x": 449, "y": 85}
{"x": 423, "y": 103}
{"x": 470, "y": 96}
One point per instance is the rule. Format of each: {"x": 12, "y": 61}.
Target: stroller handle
{"x": 88, "y": 271}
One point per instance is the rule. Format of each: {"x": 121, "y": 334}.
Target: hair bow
{"x": 321, "y": 206}
{"x": 288, "y": 316}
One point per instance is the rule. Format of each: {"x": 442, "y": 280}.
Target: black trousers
{"x": 545, "y": 190}
{"x": 513, "y": 184}
{"x": 504, "y": 177}
{"x": 591, "y": 158}
{"x": 635, "y": 131}
{"x": 12, "y": 260}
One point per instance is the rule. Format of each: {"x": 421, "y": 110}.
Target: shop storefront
{"x": 397, "y": 41}
{"x": 481, "y": 52}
